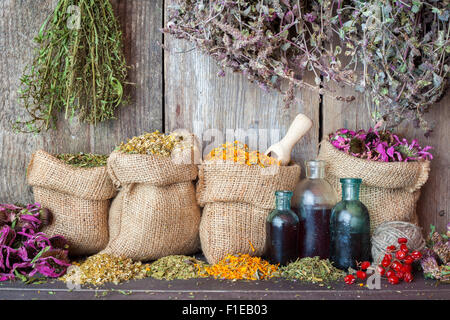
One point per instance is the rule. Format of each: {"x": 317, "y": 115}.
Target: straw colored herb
{"x": 103, "y": 268}
{"x": 83, "y": 160}
{"x": 151, "y": 143}
{"x": 176, "y": 267}
{"x": 242, "y": 267}
{"x": 78, "y": 69}
{"x": 240, "y": 153}
{"x": 312, "y": 270}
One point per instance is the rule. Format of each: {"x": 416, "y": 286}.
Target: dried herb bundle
{"x": 84, "y": 160}
{"x": 404, "y": 47}
{"x": 267, "y": 40}
{"x": 312, "y": 270}
{"x": 78, "y": 71}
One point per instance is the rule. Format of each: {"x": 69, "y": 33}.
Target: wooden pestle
{"x": 282, "y": 150}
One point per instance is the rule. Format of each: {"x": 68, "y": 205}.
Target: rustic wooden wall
{"x": 179, "y": 88}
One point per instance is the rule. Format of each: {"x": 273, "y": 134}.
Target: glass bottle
{"x": 313, "y": 200}
{"x": 282, "y": 230}
{"x": 350, "y": 227}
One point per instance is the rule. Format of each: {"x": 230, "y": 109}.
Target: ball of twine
{"x": 388, "y": 233}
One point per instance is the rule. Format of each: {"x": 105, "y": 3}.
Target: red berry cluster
{"x": 360, "y": 274}
{"x": 397, "y": 263}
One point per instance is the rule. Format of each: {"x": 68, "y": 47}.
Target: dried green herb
{"x": 312, "y": 270}
{"x": 176, "y": 267}
{"x": 77, "y": 70}
{"x": 84, "y": 160}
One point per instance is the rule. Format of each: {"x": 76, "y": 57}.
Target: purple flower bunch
{"x": 24, "y": 251}
{"x": 377, "y": 145}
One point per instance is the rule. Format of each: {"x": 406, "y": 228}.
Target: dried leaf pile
{"x": 102, "y": 268}
{"x": 312, "y": 270}
{"x": 176, "y": 267}
{"x": 156, "y": 143}
{"x": 240, "y": 153}
{"x": 242, "y": 267}
{"x": 83, "y": 160}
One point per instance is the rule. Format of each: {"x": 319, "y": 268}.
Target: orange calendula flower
{"x": 239, "y": 152}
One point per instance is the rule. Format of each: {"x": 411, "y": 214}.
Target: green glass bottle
{"x": 282, "y": 231}
{"x": 349, "y": 227}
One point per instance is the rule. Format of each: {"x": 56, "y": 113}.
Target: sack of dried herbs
{"x": 237, "y": 197}
{"x": 390, "y": 188}
{"x": 78, "y": 191}
{"x": 155, "y": 213}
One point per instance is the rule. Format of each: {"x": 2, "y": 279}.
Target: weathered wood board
{"x": 179, "y": 88}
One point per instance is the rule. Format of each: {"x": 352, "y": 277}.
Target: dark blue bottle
{"x": 349, "y": 228}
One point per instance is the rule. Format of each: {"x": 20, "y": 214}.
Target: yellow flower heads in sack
{"x": 151, "y": 143}
{"x": 240, "y": 153}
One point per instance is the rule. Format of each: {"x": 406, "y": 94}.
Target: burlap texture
{"x": 390, "y": 190}
{"x": 78, "y": 198}
{"x": 237, "y": 200}
{"x": 155, "y": 213}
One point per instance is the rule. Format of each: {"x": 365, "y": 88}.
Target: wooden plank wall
{"x": 179, "y": 88}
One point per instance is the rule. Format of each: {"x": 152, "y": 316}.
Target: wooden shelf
{"x": 206, "y": 289}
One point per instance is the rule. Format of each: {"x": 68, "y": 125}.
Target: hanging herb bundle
{"x": 79, "y": 68}
{"x": 404, "y": 48}
{"x": 266, "y": 40}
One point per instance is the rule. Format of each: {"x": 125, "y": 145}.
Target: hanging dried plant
{"x": 267, "y": 40}
{"x": 79, "y": 70}
{"x": 404, "y": 48}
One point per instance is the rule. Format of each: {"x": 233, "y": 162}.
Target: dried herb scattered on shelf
{"x": 266, "y": 40}
{"x": 242, "y": 267}
{"x": 102, "y": 268}
{"x": 151, "y": 143}
{"x": 379, "y": 145}
{"x": 240, "y": 153}
{"x": 435, "y": 261}
{"x": 83, "y": 160}
{"x": 312, "y": 270}
{"x": 176, "y": 267}
{"x": 78, "y": 69}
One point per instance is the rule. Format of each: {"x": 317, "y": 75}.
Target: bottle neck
{"x": 315, "y": 171}
{"x": 283, "y": 203}
{"x": 350, "y": 191}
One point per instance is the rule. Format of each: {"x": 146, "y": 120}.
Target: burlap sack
{"x": 237, "y": 200}
{"x": 390, "y": 190}
{"x": 155, "y": 213}
{"x": 78, "y": 198}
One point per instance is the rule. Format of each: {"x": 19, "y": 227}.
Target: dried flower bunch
{"x": 404, "y": 48}
{"x": 378, "y": 145}
{"x": 151, "y": 143}
{"x": 435, "y": 261}
{"x": 266, "y": 40}
{"x": 26, "y": 252}
{"x": 240, "y": 153}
